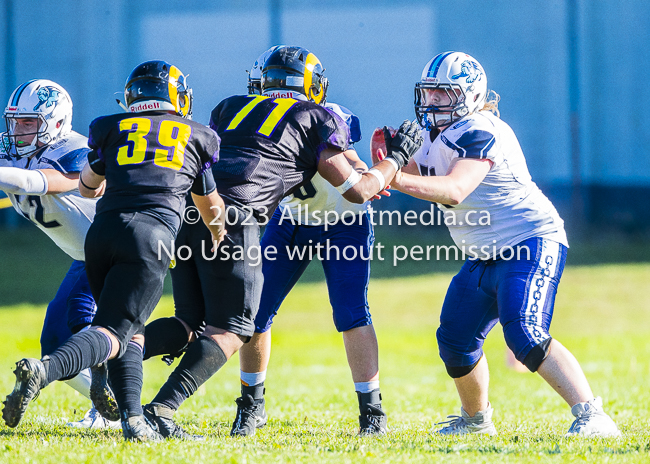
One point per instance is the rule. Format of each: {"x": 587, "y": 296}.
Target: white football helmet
{"x": 44, "y": 100}
{"x": 255, "y": 74}
{"x": 462, "y": 79}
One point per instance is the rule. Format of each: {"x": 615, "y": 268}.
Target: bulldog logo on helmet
{"x": 48, "y": 95}
{"x": 470, "y": 70}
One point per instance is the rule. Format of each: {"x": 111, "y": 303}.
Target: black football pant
{"x": 221, "y": 290}
{"x": 125, "y": 271}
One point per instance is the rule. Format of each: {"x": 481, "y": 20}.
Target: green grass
{"x": 36, "y": 280}
{"x": 602, "y": 316}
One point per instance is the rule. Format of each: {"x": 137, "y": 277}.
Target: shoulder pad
{"x": 67, "y": 155}
{"x": 72, "y": 161}
{"x": 474, "y": 121}
{"x": 349, "y": 118}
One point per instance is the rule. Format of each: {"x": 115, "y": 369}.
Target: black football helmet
{"x": 294, "y": 70}
{"x": 158, "y": 85}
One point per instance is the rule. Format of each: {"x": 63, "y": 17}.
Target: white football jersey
{"x": 508, "y": 198}
{"x": 64, "y": 217}
{"x": 310, "y": 203}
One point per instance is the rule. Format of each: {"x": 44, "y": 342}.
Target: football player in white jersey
{"x": 40, "y": 160}
{"x": 297, "y": 224}
{"x": 472, "y": 165}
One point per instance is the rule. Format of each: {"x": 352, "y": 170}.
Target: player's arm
{"x": 464, "y": 175}
{"x": 213, "y": 210}
{"x": 353, "y": 158}
{"x": 22, "y": 181}
{"x": 91, "y": 184}
{"x": 359, "y": 188}
{"x": 36, "y": 182}
{"x": 58, "y": 182}
{"x": 360, "y": 166}
{"x": 354, "y": 186}
{"x": 210, "y": 205}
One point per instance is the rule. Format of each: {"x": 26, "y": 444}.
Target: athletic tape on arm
{"x": 22, "y": 181}
{"x": 352, "y": 180}
{"x": 380, "y": 177}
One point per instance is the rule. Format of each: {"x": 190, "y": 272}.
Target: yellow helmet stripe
{"x": 174, "y": 74}
{"x": 310, "y": 62}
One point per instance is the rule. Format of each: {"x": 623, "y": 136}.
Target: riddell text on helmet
{"x": 281, "y": 94}
{"x": 144, "y": 106}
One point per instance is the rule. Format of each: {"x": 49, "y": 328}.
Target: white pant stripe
{"x": 538, "y": 290}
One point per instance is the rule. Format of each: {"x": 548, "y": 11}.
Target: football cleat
{"x": 592, "y": 421}
{"x": 94, "y": 420}
{"x": 372, "y": 422}
{"x": 161, "y": 419}
{"x": 481, "y": 423}
{"x": 251, "y": 416}
{"x": 101, "y": 394}
{"x": 30, "y": 378}
{"x": 137, "y": 428}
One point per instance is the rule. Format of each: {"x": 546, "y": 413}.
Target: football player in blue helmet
{"x": 282, "y": 70}
{"x": 40, "y": 160}
{"x": 255, "y": 74}
{"x": 472, "y": 161}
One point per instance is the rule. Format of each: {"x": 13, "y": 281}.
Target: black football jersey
{"x": 151, "y": 160}
{"x": 269, "y": 147}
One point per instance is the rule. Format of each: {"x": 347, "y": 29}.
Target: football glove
{"x": 403, "y": 145}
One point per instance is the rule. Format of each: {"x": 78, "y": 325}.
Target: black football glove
{"x": 403, "y": 145}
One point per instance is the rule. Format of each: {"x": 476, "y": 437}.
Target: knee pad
{"x": 457, "y": 355}
{"x": 456, "y": 372}
{"x": 537, "y": 355}
{"x": 165, "y": 336}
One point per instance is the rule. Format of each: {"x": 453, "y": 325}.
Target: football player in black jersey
{"x": 270, "y": 145}
{"x": 142, "y": 164}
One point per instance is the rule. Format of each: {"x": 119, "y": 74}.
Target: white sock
{"x": 81, "y": 382}
{"x": 251, "y": 379}
{"x": 366, "y": 387}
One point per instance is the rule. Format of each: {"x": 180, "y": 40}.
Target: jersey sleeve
{"x": 204, "y": 184}
{"x": 95, "y": 134}
{"x": 334, "y": 133}
{"x": 96, "y": 163}
{"x": 73, "y": 161}
{"x": 210, "y": 150}
{"x": 95, "y": 139}
{"x": 474, "y": 143}
{"x": 350, "y": 119}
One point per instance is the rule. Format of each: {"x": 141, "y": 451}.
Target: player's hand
{"x": 220, "y": 238}
{"x": 383, "y": 193}
{"x": 404, "y": 143}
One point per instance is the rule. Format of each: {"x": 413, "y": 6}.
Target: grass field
{"x": 602, "y": 315}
